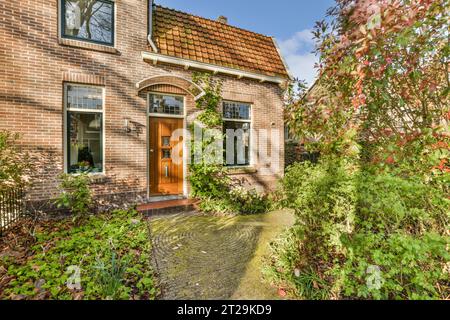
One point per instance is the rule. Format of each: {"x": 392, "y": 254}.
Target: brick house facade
{"x": 37, "y": 63}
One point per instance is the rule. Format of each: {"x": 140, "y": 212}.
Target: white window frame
{"x": 250, "y": 121}
{"x": 166, "y": 115}
{"x": 66, "y": 125}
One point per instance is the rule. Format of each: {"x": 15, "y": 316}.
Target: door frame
{"x": 167, "y": 116}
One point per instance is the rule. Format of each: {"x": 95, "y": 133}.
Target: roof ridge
{"x": 212, "y": 20}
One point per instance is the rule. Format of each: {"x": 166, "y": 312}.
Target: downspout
{"x": 150, "y": 26}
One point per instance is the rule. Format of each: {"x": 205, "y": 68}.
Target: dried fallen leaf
{"x": 282, "y": 292}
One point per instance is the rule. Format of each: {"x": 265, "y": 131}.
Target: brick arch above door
{"x": 165, "y": 88}
{"x": 172, "y": 81}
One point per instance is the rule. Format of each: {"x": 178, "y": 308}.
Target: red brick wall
{"x": 34, "y": 63}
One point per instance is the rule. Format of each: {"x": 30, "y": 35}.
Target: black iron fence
{"x": 12, "y": 207}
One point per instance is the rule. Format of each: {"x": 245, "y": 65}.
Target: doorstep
{"x": 167, "y": 207}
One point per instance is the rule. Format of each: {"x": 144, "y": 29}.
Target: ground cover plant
{"x": 105, "y": 256}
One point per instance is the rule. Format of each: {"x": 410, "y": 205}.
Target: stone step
{"x": 167, "y": 207}
{"x": 160, "y": 198}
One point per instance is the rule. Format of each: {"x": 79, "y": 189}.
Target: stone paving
{"x": 204, "y": 257}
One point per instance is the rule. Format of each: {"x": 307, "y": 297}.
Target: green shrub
{"x": 237, "y": 200}
{"x": 13, "y": 163}
{"x": 362, "y": 235}
{"x": 250, "y": 201}
{"x": 208, "y": 179}
{"x": 75, "y": 193}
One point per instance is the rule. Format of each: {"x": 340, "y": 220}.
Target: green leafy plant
{"x": 352, "y": 221}
{"x": 112, "y": 252}
{"x": 14, "y": 164}
{"x": 209, "y": 180}
{"x": 110, "y": 275}
{"x": 75, "y": 193}
{"x": 238, "y": 201}
{"x": 373, "y": 214}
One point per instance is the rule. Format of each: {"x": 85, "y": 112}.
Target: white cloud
{"x": 297, "y": 53}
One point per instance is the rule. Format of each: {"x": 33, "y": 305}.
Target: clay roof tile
{"x": 191, "y": 37}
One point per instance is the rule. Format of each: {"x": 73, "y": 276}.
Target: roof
{"x": 186, "y": 36}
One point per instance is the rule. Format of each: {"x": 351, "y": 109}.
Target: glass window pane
{"x": 89, "y": 98}
{"x": 166, "y": 141}
{"x": 236, "y": 110}
{"x": 85, "y": 142}
{"x": 166, "y": 154}
{"x": 237, "y": 143}
{"x": 89, "y": 20}
{"x": 166, "y": 104}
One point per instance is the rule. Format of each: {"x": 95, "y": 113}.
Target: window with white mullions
{"x": 88, "y": 20}
{"x": 236, "y": 127}
{"x": 164, "y": 104}
{"x": 84, "y": 129}
{"x": 236, "y": 111}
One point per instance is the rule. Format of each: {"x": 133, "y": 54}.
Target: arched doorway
{"x": 168, "y": 99}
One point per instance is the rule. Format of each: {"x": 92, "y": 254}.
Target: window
{"x": 89, "y": 20}
{"x": 288, "y": 136}
{"x": 237, "y": 123}
{"x": 166, "y": 104}
{"x": 236, "y": 111}
{"x": 84, "y": 107}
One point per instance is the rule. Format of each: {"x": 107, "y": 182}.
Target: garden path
{"x": 203, "y": 257}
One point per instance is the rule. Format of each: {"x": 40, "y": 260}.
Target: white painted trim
{"x": 163, "y": 115}
{"x": 85, "y": 110}
{"x": 241, "y": 102}
{"x": 251, "y": 151}
{"x": 238, "y": 120}
{"x": 155, "y": 57}
{"x": 202, "y": 92}
{"x": 291, "y": 77}
{"x": 65, "y": 125}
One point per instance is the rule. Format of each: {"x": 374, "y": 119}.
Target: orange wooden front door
{"x": 166, "y": 157}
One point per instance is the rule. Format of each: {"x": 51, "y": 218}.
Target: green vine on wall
{"x": 208, "y": 175}
{"x": 208, "y": 179}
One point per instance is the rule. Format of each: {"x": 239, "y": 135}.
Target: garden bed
{"x": 111, "y": 252}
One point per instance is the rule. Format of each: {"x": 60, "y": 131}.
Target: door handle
{"x": 151, "y": 150}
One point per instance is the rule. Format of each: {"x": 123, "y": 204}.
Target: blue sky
{"x": 289, "y": 21}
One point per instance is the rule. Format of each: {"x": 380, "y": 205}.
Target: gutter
{"x": 156, "y": 57}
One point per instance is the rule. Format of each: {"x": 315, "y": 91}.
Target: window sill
{"x": 87, "y": 45}
{"x": 97, "y": 178}
{"x": 241, "y": 170}
{"x": 164, "y": 115}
